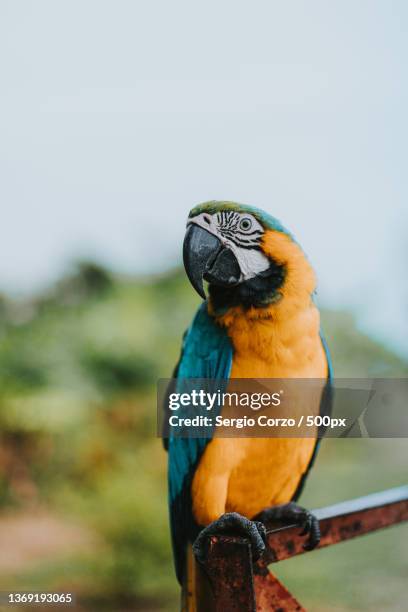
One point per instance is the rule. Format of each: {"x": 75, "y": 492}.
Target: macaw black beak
{"x": 206, "y": 258}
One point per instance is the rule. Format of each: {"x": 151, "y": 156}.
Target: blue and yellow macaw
{"x": 260, "y": 321}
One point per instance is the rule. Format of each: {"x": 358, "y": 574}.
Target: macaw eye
{"x": 245, "y": 224}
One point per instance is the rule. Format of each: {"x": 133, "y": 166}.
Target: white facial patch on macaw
{"x": 251, "y": 262}
{"x": 241, "y": 233}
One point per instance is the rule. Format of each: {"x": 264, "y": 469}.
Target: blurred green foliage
{"x": 78, "y": 367}
{"x": 112, "y": 372}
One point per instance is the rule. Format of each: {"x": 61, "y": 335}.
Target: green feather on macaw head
{"x": 214, "y": 206}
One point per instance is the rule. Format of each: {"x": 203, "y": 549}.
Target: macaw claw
{"x": 293, "y": 513}
{"x": 232, "y": 523}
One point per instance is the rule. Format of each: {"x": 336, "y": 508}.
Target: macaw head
{"x": 245, "y": 254}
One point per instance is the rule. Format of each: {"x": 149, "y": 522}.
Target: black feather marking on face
{"x": 258, "y": 292}
{"x": 229, "y": 227}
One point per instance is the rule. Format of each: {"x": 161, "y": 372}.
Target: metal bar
{"x": 374, "y": 500}
{"x": 229, "y": 570}
{"x": 271, "y": 594}
{"x": 342, "y": 522}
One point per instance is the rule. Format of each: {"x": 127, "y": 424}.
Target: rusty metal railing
{"x": 230, "y": 582}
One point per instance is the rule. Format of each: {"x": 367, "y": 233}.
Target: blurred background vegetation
{"x": 83, "y": 501}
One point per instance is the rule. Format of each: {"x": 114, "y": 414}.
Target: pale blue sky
{"x": 117, "y": 116}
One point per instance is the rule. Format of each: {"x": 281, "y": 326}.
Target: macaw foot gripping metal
{"x": 232, "y": 524}
{"x": 293, "y": 514}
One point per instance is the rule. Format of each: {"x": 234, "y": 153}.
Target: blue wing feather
{"x": 206, "y": 353}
